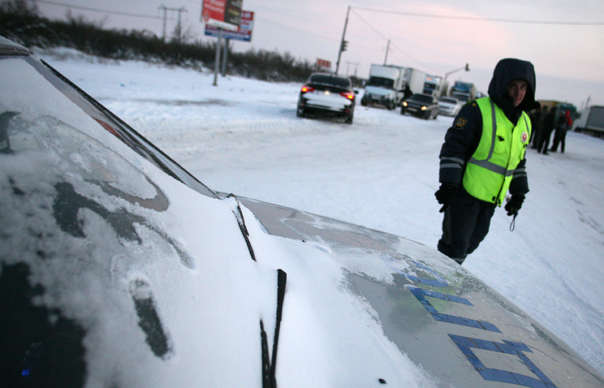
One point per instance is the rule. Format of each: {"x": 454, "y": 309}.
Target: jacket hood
{"x": 506, "y": 71}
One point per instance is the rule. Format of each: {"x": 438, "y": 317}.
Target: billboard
{"x": 244, "y": 32}
{"x": 224, "y": 14}
{"x": 323, "y": 64}
{"x": 232, "y": 12}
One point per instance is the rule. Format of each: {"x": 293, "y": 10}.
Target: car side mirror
{"x": 356, "y": 91}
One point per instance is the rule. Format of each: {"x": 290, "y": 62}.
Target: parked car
{"x": 327, "y": 95}
{"x": 449, "y": 106}
{"x": 423, "y": 105}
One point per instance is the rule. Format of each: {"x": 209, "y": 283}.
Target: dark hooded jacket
{"x": 463, "y": 137}
{"x": 506, "y": 71}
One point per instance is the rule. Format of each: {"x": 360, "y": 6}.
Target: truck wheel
{"x": 390, "y": 105}
{"x": 349, "y": 119}
{"x": 363, "y": 101}
{"x": 402, "y": 111}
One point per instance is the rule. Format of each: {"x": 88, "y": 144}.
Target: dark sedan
{"x": 328, "y": 95}
{"x": 422, "y": 105}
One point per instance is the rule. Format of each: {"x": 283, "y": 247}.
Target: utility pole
{"x": 178, "y": 26}
{"x": 343, "y": 42}
{"x": 217, "y": 61}
{"x": 387, "y": 48}
{"x": 163, "y": 34}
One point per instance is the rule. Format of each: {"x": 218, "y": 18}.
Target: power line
{"x": 98, "y": 10}
{"x": 386, "y": 38}
{"x": 303, "y": 30}
{"x": 481, "y": 19}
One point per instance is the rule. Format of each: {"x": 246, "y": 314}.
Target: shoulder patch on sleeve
{"x": 460, "y": 122}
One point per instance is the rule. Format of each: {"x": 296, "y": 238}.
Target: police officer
{"x": 483, "y": 156}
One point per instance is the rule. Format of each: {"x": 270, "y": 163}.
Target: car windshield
{"x": 421, "y": 98}
{"x": 449, "y": 100}
{"x": 462, "y": 86}
{"x": 381, "y": 82}
{"x": 330, "y": 80}
{"x": 55, "y": 106}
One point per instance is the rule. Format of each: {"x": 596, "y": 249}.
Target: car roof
{"x": 330, "y": 75}
{"x": 8, "y": 47}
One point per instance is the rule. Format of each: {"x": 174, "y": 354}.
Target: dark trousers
{"x": 559, "y": 138}
{"x": 465, "y": 225}
{"x": 537, "y": 135}
{"x": 544, "y": 141}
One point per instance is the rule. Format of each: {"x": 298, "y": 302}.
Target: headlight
{"x": 405, "y": 103}
{"x": 423, "y": 107}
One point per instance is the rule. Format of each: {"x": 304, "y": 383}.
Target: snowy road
{"x": 381, "y": 172}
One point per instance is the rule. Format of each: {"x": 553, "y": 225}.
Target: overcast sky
{"x": 568, "y": 58}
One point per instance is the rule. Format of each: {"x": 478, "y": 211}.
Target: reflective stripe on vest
{"x": 484, "y": 178}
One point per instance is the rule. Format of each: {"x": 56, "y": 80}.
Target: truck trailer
{"x": 415, "y": 78}
{"x": 591, "y": 121}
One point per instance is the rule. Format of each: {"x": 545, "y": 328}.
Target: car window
{"x": 30, "y": 88}
{"x": 381, "y": 82}
{"x": 44, "y": 123}
{"x": 422, "y": 98}
{"x": 330, "y": 80}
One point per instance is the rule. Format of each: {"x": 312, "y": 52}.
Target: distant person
{"x": 535, "y": 116}
{"x": 483, "y": 156}
{"x": 537, "y": 138}
{"x": 548, "y": 127}
{"x": 564, "y": 124}
{"x": 407, "y": 92}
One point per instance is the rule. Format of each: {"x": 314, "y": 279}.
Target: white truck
{"x": 434, "y": 85}
{"x": 415, "y": 78}
{"x": 463, "y": 91}
{"x": 591, "y": 121}
{"x": 385, "y": 86}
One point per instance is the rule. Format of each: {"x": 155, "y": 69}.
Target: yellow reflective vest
{"x": 502, "y": 146}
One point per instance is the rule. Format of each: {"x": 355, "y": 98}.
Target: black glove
{"x": 514, "y": 204}
{"x": 445, "y": 194}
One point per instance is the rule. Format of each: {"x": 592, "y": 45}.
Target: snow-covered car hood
{"x": 121, "y": 269}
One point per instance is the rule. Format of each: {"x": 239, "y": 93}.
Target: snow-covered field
{"x": 381, "y": 172}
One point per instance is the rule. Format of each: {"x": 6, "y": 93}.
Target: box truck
{"x": 434, "y": 85}
{"x": 415, "y": 78}
{"x": 463, "y": 91}
{"x": 385, "y": 86}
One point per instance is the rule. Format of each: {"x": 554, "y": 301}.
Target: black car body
{"x": 422, "y": 105}
{"x": 327, "y": 95}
